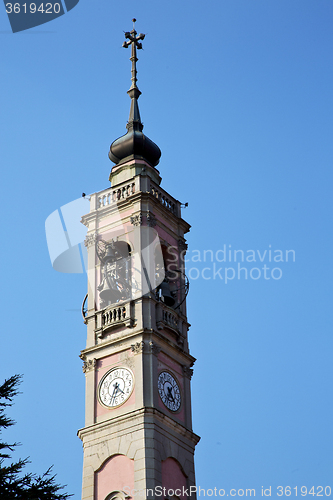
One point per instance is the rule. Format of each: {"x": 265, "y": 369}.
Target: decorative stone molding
{"x": 84, "y": 221}
{"x": 136, "y": 220}
{"x": 154, "y": 348}
{"x": 180, "y": 341}
{"x": 90, "y": 240}
{"x": 138, "y": 347}
{"x": 188, "y": 372}
{"x": 182, "y": 245}
{"x": 142, "y": 346}
{"x": 151, "y": 220}
{"x": 89, "y": 365}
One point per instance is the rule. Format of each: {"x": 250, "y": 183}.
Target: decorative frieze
{"x": 136, "y": 220}
{"x": 150, "y": 347}
{"x": 138, "y": 347}
{"x": 154, "y": 348}
{"x": 151, "y": 220}
{"x": 182, "y": 245}
{"x": 188, "y": 372}
{"x": 88, "y": 365}
{"x": 90, "y": 240}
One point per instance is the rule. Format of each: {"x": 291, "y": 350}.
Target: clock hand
{"x": 114, "y": 391}
{"x": 170, "y": 396}
{"x": 118, "y": 390}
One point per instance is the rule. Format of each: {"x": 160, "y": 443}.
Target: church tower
{"x": 137, "y": 440}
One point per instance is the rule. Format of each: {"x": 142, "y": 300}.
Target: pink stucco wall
{"x": 173, "y": 477}
{"x": 116, "y": 474}
{"x": 164, "y": 235}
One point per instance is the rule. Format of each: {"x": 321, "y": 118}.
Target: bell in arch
{"x": 108, "y": 290}
{"x": 109, "y": 294}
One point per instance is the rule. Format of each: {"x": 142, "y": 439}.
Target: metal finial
{"x": 133, "y": 40}
{"x": 134, "y": 144}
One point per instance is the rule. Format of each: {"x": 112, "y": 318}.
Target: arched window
{"x": 118, "y": 495}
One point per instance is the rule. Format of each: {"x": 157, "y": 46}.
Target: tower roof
{"x": 134, "y": 144}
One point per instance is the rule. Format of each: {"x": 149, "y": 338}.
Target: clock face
{"x": 116, "y": 387}
{"x": 169, "y": 391}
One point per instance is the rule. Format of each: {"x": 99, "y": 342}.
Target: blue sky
{"x": 238, "y": 96}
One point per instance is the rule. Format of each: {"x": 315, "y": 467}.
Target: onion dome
{"x": 134, "y": 144}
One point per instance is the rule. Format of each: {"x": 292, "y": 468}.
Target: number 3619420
{"x": 32, "y": 8}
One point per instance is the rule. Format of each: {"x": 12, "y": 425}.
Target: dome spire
{"x": 134, "y": 144}
{"x": 134, "y": 92}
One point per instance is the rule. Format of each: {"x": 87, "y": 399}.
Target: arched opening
{"x": 118, "y": 495}
{"x": 115, "y": 479}
{"x": 174, "y": 479}
{"x": 115, "y": 280}
{"x": 173, "y": 288}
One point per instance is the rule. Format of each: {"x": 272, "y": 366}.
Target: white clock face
{"x": 169, "y": 391}
{"x": 116, "y": 387}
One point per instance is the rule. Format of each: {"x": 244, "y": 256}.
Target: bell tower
{"x": 137, "y": 440}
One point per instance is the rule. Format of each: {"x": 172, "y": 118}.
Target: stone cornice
{"x": 138, "y": 336}
{"x": 130, "y": 201}
{"x": 151, "y": 416}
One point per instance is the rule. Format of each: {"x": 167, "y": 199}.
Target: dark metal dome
{"x": 134, "y": 144}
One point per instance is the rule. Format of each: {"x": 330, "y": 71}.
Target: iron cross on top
{"x": 133, "y": 38}
{"x": 134, "y": 41}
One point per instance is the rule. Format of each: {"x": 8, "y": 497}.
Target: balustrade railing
{"x": 170, "y": 319}
{"x": 114, "y": 195}
{"x": 114, "y": 315}
{"x": 139, "y": 183}
{"x": 165, "y": 316}
{"x": 163, "y": 199}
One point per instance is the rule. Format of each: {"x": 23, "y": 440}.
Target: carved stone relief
{"x": 90, "y": 240}
{"x": 88, "y": 365}
{"x": 182, "y": 245}
{"x": 136, "y": 220}
{"x": 188, "y": 372}
{"x": 151, "y": 220}
{"x": 154, "y": 348}
{"x": 138, "y": 347}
